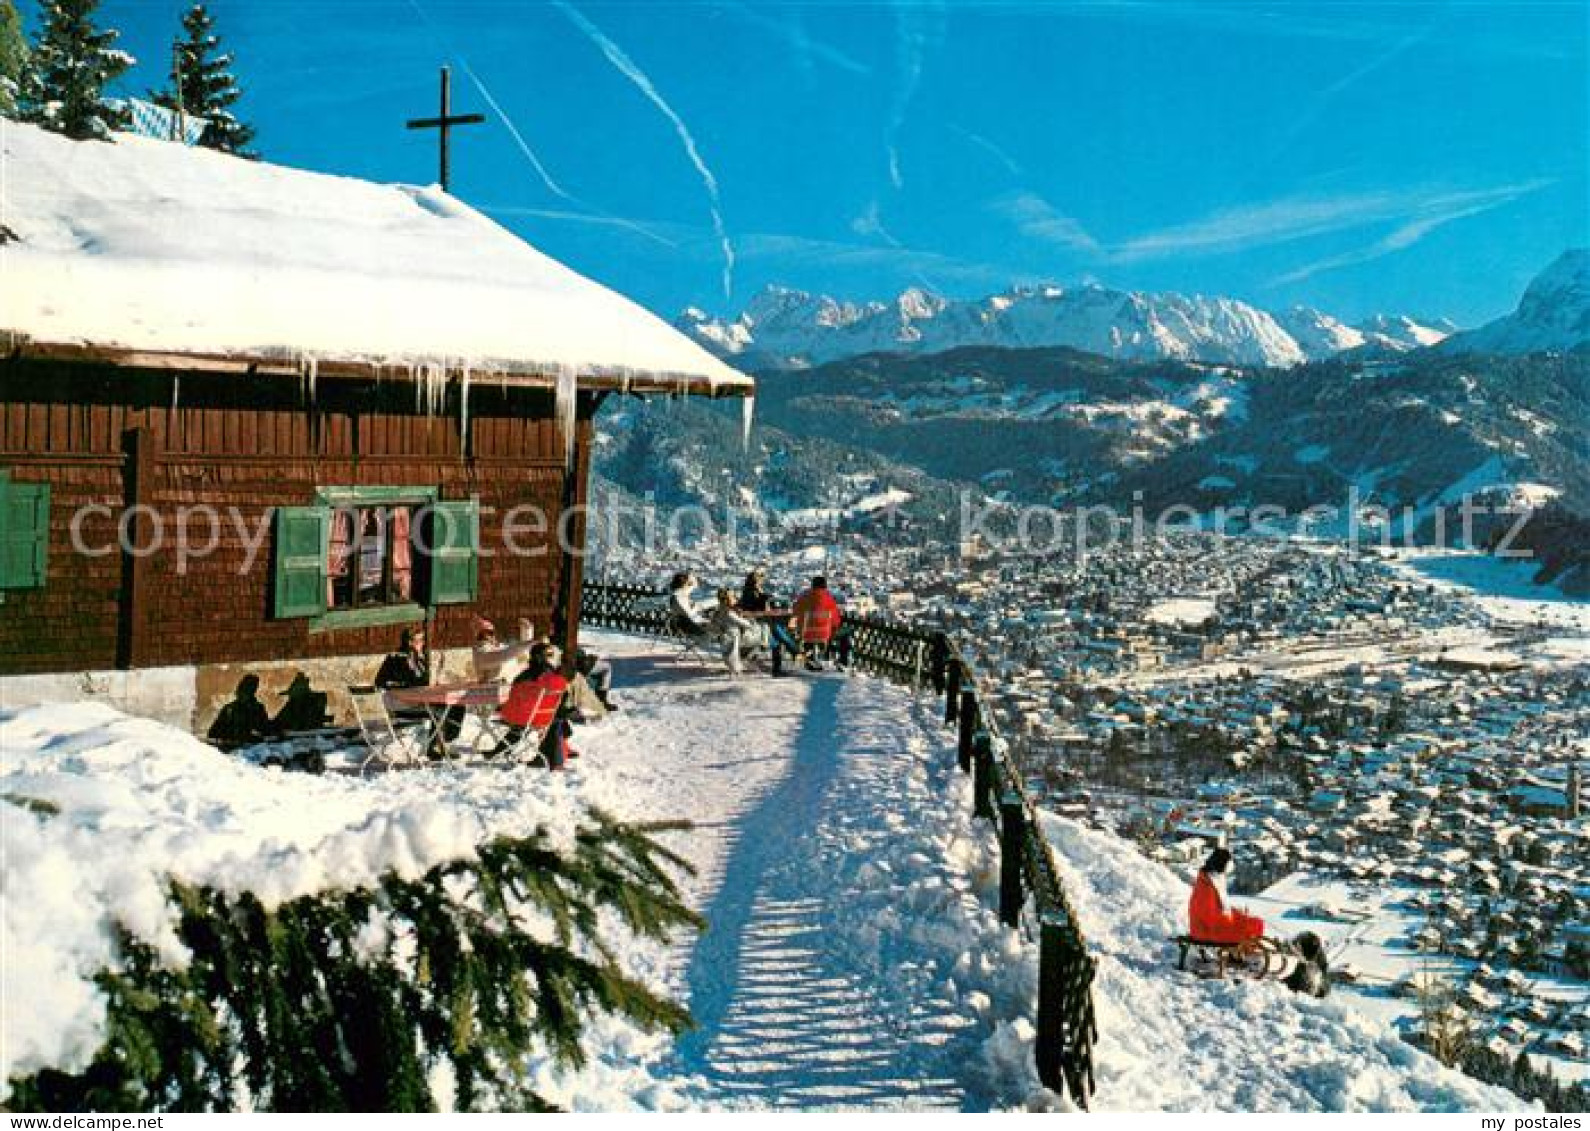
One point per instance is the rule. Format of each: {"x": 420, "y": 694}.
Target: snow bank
{"x": 140, "y": 801}
{"x": 1173, "y": 1042}
{"x": 147, "y": 245}
{"x": 1183, "y": 611}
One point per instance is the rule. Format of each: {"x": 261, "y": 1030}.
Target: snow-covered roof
{"x": 144, "y": 252}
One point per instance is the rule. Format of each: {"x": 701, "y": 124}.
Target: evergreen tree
{"x": 13, "y": 56}
{"x": 203, "y": 85}
{"x": 63, "y": 87}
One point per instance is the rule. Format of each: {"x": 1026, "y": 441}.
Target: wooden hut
{"x": 255, "y": 419}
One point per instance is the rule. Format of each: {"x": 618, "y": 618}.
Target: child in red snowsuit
{"x": 1211, "y": 917}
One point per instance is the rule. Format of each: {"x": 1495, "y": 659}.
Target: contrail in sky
{"x": 628, "y": 68}
{"x": 513, "y": 130}
{"x": 524, "y": 146}
{"x": 918, "y": 29}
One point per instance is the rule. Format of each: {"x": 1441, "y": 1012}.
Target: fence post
{"x": 968, "y": 720}
{"x": 916, "y": 671}
{"x": 1012, "y": 845}
{"x": 952, "y": 692}
{"x": 1049, "y": 1047}
{"x": 983, "y": 775}
{"x": 940, "y": 660}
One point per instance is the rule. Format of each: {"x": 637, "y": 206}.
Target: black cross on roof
{"x": 445, "y": 122}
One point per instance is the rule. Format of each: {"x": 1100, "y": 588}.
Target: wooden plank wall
{"x": 249, "y": 444}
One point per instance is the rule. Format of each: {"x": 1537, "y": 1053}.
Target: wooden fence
{"x": 1066, "y": 1026}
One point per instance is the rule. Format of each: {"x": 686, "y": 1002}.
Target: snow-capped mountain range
{"x": 790, "y": 329}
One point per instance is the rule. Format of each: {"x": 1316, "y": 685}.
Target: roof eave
{"x": 512, "y": 374}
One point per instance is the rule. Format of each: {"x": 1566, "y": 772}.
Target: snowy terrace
{"x": 854, "y": 957}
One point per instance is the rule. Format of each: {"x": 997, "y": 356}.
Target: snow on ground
{"x": 1183, "y": 611}
{"x": 140, "y": 801}
{"x": 865, "y": 505}
{"x": 1172, "y": 1041}
{"x": 1366, "y": 926}
{"x": 854, "y": 958}
{"x": 1504, "y": 588}
{"x": 851, "y": 962}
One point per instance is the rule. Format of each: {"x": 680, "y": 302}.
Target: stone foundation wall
{"x": 191, "y": 697}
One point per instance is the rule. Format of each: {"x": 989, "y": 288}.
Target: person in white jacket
{"x": 495, "y": 662}
{"x": 683, "y": 614}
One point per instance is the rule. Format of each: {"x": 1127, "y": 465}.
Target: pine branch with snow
{"x": 410, "y": 995}
{"x": 63, "y": 85}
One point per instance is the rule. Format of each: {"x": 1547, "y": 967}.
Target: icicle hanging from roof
{"x": 747, "y": 415}
{"x": 564, "y": 408}
{"x": 463, "y": 409}
{"x": 430, "y": 386}
{"x": 308, "y": 375}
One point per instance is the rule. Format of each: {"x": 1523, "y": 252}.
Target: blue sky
{"x": 1425, "y": 158}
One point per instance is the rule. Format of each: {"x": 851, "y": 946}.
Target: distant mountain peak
{"x": 1552, "y": 316}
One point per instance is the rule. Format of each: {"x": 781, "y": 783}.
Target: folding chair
{"x": 816, "y": 632}
{"x": 691, "y": 640}
{"x": 533, "y": 708}
{"x": 383, "y": 740}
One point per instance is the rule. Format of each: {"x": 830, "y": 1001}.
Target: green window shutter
{"x": 24, "y": 533}
{"x": 453, "y": 538}
{"x": 303, "y": 535}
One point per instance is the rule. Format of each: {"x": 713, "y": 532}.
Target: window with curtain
{"x": 370, "y": 557}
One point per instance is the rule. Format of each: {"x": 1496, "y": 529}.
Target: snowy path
{"x": 803, "y": 998}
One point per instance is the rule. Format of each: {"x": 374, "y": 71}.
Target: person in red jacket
{"x": 817, "y": 621}
{"x": 538, "y": 700}
{"x": 1210, "y": 914}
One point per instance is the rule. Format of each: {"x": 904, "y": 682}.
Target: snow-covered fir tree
{"x": 13, "y": 56}
{"x": 203, "y": 85}
{"x": 63, "y": 86}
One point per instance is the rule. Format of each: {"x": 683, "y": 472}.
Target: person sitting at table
{"x": 243, "y": 720}
{"x": 410, "y": 667}
{"x": 818, "y": 618}
{"x": 741, "y": 637}
{"x": 684, "y": 617}
{"x": 305, "y": 708}
{"x": 526, "y": 701}
{"x": 756, "y": 601}
{"x": 495, "y": 662}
